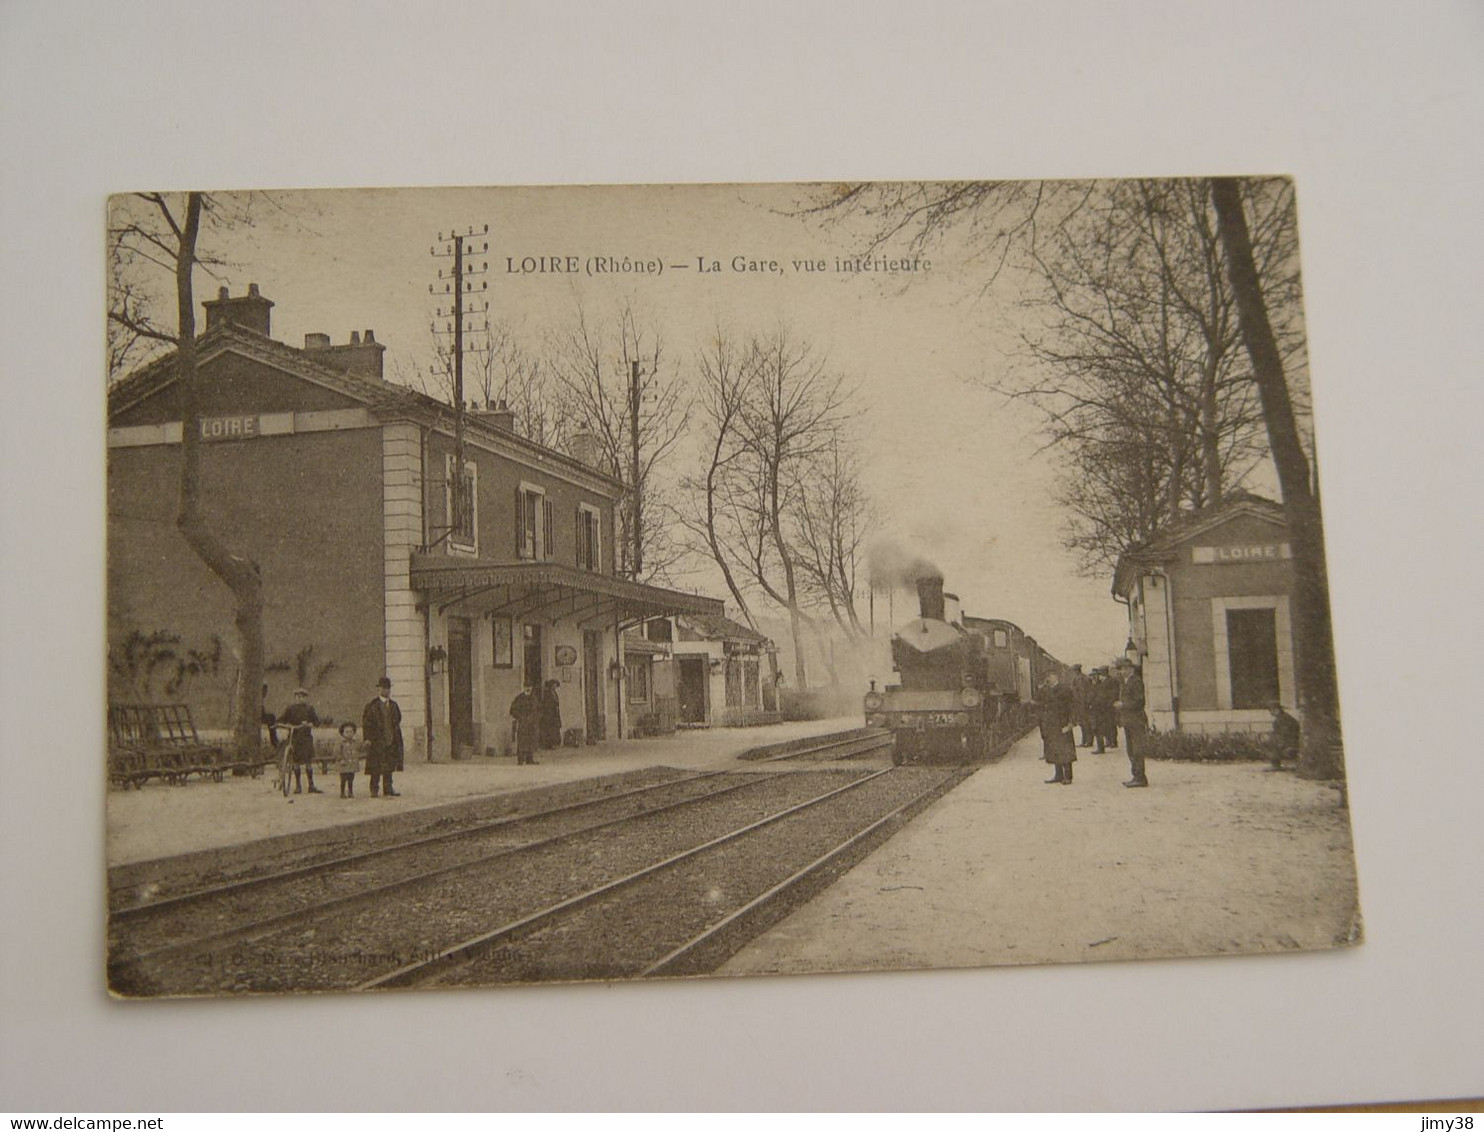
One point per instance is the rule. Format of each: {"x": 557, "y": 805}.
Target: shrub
{"x": 1231, "y": 747}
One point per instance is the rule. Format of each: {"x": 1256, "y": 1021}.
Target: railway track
{"x": 128, "y": 905}
{"x": 360, "y": 918}
{"x": 686, "y": 914}
{"x": 840, "y": 745}
{"x": 154, "y": 936}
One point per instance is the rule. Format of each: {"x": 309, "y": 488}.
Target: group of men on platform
{"x": 1099, "y": 702}
{"x": 1096, "y": 703}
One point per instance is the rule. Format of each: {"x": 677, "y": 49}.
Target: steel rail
{"x": 864, "y": 742}
{"x": 256, "y": 929}
{"x": 199, "y": 895}
{"x": 673, "y": 959}
{"x": 408, "y": 973}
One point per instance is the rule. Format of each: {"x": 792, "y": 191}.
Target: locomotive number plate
{"x": 936, "y": 719}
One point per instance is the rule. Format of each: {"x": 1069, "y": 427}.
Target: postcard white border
{"x": 1375, "y": 110}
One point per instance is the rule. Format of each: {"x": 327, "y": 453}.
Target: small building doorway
{"x": 691, "y": 691}
{"x": 592, "y": 682}
{"x": 531, "y": 659}
{"x": 1252, "y": 644}
{"x": 460, "y": 685}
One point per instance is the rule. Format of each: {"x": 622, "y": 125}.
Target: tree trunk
{"x": 240, "y": 574}
{"x": 1321, "y": 755}
{"x": 1211, "y": 436}
{"x": 714, "y": 542}
{"x": 791, "y": 592}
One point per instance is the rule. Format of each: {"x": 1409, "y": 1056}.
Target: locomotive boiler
{"x": 964, "y": 686}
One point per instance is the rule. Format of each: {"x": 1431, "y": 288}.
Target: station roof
{"x": 1164, "y": 545}
{"x": 548, "y": 589}
{"x": 386, "y": 399}
{"x": 716, "y": 627}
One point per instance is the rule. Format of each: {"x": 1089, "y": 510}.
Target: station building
{"x": 1209, "y": 603}
{"x": 340, "y": 486}
{"x": 723, "y": 672}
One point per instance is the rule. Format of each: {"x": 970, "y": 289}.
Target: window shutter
{"x": 520, "y": 523}
{"x": 450, "y": 497}
{"x": 581, "y": 530}
{"x": 548, "y": 529}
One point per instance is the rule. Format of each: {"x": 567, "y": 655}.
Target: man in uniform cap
{"x": 1130, "y": 707}
{"x": 381, "y": 728}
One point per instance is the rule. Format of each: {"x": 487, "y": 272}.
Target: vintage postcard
{"x": 519, "y": 585}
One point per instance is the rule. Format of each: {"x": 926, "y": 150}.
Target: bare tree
{"x": 1255, "y": 248}
{"x": 771, "y": 410}
{"x": 161, "y": 231}
{"x": 1321, "y": 755}
{"x": 723, "y": 374}
{"x": 831, "y": 520}
{"x": 498, "y": 370}
{"x": 1136, "y": 364}
{"x": 614, "y": 383}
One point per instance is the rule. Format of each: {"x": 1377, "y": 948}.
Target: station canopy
{"x": 548, "y": 590}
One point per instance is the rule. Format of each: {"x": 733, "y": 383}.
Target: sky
{"x": 1363, "y": 103}
{"x": 953, "y": 470}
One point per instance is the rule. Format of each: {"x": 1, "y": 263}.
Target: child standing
{"x": 348, "y": 759}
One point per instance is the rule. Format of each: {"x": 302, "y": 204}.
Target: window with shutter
{"x": 460, "y": 501}
{"x": 520, "y": 524}
{"x": 533, "y": 522}
{"x": 589, "y": 553}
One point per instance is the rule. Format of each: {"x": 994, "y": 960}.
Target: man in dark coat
{"x": 299, "y": 718}
{"x": 551, "y": 716}
{"x": 1057, "y": 711}
{"x": 525, "y": 709}
{"x": 1130, "y": 707}
{"x": 381, "y": 729}
{"x": 1082, "y": 698}
{"x": 1104, "y": 717}
{"x": 1285, "y": 737}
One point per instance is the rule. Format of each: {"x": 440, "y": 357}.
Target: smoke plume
{"x": 893, "y": 566}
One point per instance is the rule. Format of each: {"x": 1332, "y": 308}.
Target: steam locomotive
{"x": 966, "y": 683}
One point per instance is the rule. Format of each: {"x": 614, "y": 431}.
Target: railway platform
{"x": 1008, "y": 870}
{"x": 161, "y": 820}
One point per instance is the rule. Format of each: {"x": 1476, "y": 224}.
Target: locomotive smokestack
{"x": 930, "y": 598}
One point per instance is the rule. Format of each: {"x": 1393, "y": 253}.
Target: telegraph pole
{"x": 459, "y": 291}
{"x": 634, "y": 435}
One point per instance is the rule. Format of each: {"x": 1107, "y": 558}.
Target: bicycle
{"x": 286, "y": 755}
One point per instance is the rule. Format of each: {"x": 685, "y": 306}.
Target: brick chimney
{"x": 584, "y": 447}
{"x": 495, "y": 413}
{"x": 249, "y": 311}
{"x": 362, "y": 355}
{"x": 930, "y": 598}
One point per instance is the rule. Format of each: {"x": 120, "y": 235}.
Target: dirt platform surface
{"x": 1210, "y": 859}
{"x": 162, "y": 820}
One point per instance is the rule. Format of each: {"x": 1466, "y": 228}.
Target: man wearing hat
{"x": 1082, "y": 698}
{"x": 525, "y": 709}
{"x": 1058, "y": 713}
{"x": 381, "y": 729}
{"x": 299, "y": 719}
{"x": 1104, "y": 717}
{"x": 1130, "y": 707}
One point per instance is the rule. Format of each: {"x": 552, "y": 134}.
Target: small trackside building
{"x": 340, "y": 486}
{"x": 1209, "y": 606}
{"x": 723, "y": 673}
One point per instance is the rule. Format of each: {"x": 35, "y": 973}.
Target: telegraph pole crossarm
{"x": 459, "y": 286}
